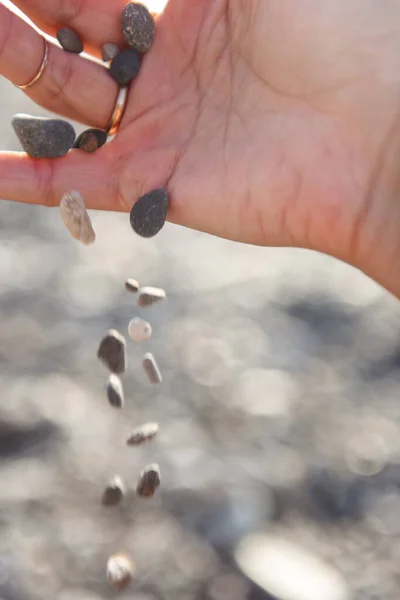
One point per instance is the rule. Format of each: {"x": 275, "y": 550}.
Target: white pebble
{"x": 139, "y": 330}
{"x": 76, "y": 218}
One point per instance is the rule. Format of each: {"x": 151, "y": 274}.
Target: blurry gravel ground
{"x": 279, "y": 413}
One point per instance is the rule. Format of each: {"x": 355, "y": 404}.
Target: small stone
{"x": 114, "y": 492}
{"x": 143, "y": 434}
{"x": 41, "y": 137}
{"x": 76, "y": 219}
{"x": 139, "y": 330}
{"x": 149, "y": 213}
{"x": 109, "y": 51}
{"x": 119, "y": 571}
{"x": 125, "y": 66}
{"x": 90, "y": 140}
{"x": 69, "y": 40}
{"x": 138, "y": 26}
{"x": 149, "y": 295}
{"x": 151, "y": 369}
{"x": 132, "y": 285}
{"x": 149, "y": 481}
{"x": 112, "y": 350}
{"x": 115, "y": 391}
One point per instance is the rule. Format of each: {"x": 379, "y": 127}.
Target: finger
{"x": 34, "y": 181}
{"x": 96, "y": 21}
{"x": 71, "y": 86}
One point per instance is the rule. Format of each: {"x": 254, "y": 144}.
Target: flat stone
{"x": 149, "y": 295}
{"x": 41, "y": 137}
{"x": 90, "y": 140}
{"x": 138, "y": 26}
{"x": 112, "y": 351}
{"x": 76, "y": 218}
{"x": 143, "y": 434}
{"x": 69, "y": 41}
{"x": 109, "y": 51}
{"x": 139, "y": 330}
{"x": 149, "y": 481}
{"x": 149, "y": 213}
{"x": 132, "y": 285}
{"x": 125, "y": 66}
{"x": 151, "y": 369}
{"x": 114, "y": 492}
{"x": 115, "y": 391}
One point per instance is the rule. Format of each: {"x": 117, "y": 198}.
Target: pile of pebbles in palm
{"x": 44, "y": 138}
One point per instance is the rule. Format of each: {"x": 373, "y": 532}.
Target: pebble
{"x": 76, "y": 219}
{"x": 42, "y": 137}
{"x": 143, "y": 434}
{"x": 69, "y": 40}
{"x": 149, "y": 213}
{"x": 132, "y": 285}
{"x": 149, "y": 295}
{"x": 112, "y": 351}
{"x": 138, "y": 26}
{"x": 115, "y": 391}
{"x": 125, "y": 66}
{"x": 139, "y": 330}
{"x": 114, "y": 492}
{"x": 109, "y": 51}
{"x": 149, "y": 481}
{"x": 119, "y": 570}
{"x": 90, "y": 140}
{"x": 151, "y": 368}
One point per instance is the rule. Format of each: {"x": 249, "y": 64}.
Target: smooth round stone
{"x": 149, "y": 213}
{"x": 115, "y": 391}
{"x": 109, "y": 51}
{"x": 144, "y": 433}
{"x": 76, "y": 218}
{"x": 41, "y": 137}
{"x": 114, "y": 492}
{"x": 90, "y": 140}
{"x": 112, "y": 351}
{"x": 149, "y": 295}
{"x": 69, "y": 40}
{"x": 125, "y": 66}
{"x": 149, "y": 481}
{"x": 132, "y": 285}
{"x": 119, "y": 571}
{"x": 139, "y": 330}
{"x": 137, "y": 26}
{"x": 151, "y": 369}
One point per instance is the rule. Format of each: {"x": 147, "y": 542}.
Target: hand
{"x": 272, "y": 122}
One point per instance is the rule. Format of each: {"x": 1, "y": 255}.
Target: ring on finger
{"x": 118, "y": 111}
{"x": 41, "y": 68}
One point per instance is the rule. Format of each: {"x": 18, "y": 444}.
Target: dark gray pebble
{"x": 132, "y": 285}
{"x": 114, "y": 492}
{"x": 125, "y": 66}
{"x": 69, "y": 40}
{"x": 42, "y": 137}
{"x": 149, "y": 481}
{"x": 115, "y": 391}
{"x": 112, "y": 351}
{"x": 137, "y": 26}
{"x": 109, "y": 51}
{"x": 143, "y": 434}
{"x": 90, "y": 140}
{"x": 149, "y": 213}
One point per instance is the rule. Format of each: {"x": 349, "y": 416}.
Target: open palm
{"x": 270, "y": 121}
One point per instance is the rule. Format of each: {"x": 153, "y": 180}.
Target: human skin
{"x": 271, "y": 122}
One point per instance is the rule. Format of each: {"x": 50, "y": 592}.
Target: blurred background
{"x": 279, "y": 445}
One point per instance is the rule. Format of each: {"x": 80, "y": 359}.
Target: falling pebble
{"x": 151, "y": 368}
{"x": 90, "y": 140}
{"x": 109, "y": 51}
{"x": 76, "y": 219}
{"x": 149, "y": 481}
{"x": 143, "y": 434}
{"x": 125, "y": 66}
{"x": 115, "y": 391}
{"x": 112, "y": 351}
{"x": 138, "y": 26}
{"x": 149, "y": 213}
{"x": 150, "y": 295}
{"x": 132, "y": 285}
{"x": 114, "y": 492}
{"x": 69, "y": 40}
{"x": 139, "y": 330}
{"x": 41, "y": 137}
{"x": 119, "y": 570}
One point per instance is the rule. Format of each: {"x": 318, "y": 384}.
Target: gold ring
{"x": 118, "y": 112}
{"x": 41, "y": 70}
